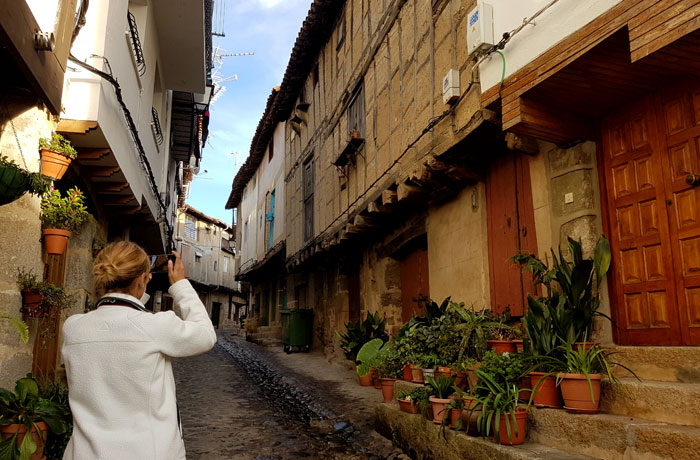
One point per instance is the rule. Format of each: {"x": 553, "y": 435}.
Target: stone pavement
{"x": 241, "y": 401}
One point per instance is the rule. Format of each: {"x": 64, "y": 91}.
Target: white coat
{"x": 120, "y": 379}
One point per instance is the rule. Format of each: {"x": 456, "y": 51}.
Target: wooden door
{"x": 511, "y": 230}
{"x": 414, "y": 282}
{"x": 649, "y": 148}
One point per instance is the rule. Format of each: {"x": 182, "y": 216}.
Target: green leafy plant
{"x": 58, "y": 144}
{"x": 493, "y": 399}
{"x": 37, "y": 183}
{"x": 388, "y": 362}
{"x": 432, "y": 312}
{"x": 26, "y": 407}
{"x": 475, "y": 328}
{"x": 442, "y": 387}
{"x": 506, "y": 368}
{"x": 19, "y": 325}
{"x": 53, "y": 298}
{"x": 367, "y": 355}
{"x": 56, "y": 442}
{"x": 419, "y": 395}
{"x": 501, "y": 330}
{"x": 64, "y": 212}
{"x": 27, "y": 279}
{"x": 576, "y": 281}
{"x": 358, "y": 333}
{"x": 429, "y": 361}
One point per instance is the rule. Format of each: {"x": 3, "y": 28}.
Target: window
{"x": 226, "y": 264}
{"x": 308, "y": 191}
{"x": 271, "y": 148}
{"x": 198, "y": 257}
{"x": 356, "y": 111}
{"x": 191, "y": 228}
{"x": 341, "y": 32}
{"x": 215, "y": 262}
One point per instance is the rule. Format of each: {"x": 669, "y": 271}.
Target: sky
{"x": 267, "y": 28}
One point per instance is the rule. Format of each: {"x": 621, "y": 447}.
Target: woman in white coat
{"x": 117, "y": 357}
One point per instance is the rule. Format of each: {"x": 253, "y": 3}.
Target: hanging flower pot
{"x": 546, "y": 392}
{"x": 577, "y": 393}
{"x": 56, "y": 154}
{"x": 31, "y": 303}
{"x": 13, "y": 183}
{"x": 56, "y": 240}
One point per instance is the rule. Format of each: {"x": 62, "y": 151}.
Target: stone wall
{"x": 566, "y": 199}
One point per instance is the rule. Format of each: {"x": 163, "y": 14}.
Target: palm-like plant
{"x": 443, "y": 386}
{"x": 493, "y": 399}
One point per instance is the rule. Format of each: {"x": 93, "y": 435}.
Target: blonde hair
{"x": 118, "y": 265}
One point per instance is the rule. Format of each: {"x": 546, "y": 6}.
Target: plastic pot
{"x": 577, "y": 393}
{"x": 53, "y": 164}
{"x": 417, "y": 374}
{"x": 21, "y": 430}
{"x": 546, "y": 392}
{"x": 440, "y": 408}
{"x": 408, "y": 406}
{"x": 521, "y": 423}
{"x": 365, "y": 380}
{"x": 502, "y": 346}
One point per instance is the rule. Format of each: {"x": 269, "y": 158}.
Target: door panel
{"x": 414, "y": 283}
{"x": 511, "y": 230}
{"x": 649, "y": 148}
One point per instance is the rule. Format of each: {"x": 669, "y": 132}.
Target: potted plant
{"x": 384, "y": 358}
{"x": 501, "y": 413}
{"x": 25, "y": 411}
{"x": 40, "y": 298}
{"x": 60, "y": 217}
{"x": 15, "y": 181}
{"x": 359, "y": 333}
{"x": 441, "y": 389}
{"x": 56, "y": 443}
{"x": 56, "y": 154}
{"x": 365, "y": 356}
{"x": 428, "y": 363}
{"x": 503, "y": 337}
{"x": 413, "y": 401}
{"x": 584, "y": 370}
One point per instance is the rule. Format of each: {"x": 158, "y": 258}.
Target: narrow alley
{"x": 240, "y": 401}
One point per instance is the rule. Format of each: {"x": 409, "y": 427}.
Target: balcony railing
{"x": 136, "y": 45}
{"x": 155, "y": 124}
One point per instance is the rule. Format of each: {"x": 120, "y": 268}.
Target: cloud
{"x": 270, "y": 3}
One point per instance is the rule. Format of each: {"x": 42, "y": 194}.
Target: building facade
{"x": 259, "y": 197}
{"x": 128, "y": 83}
{"x": 207, "y": 248}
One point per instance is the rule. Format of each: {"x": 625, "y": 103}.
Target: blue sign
{"x": 473, "y": 18}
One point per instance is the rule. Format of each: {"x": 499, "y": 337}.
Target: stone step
{"x": 424, "y": 439}
{"x": 613, "y": 437}
{"x": 665, "y": 364}
{"x": 669, "y": 402}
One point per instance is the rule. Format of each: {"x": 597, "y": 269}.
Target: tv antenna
{"x": 217, "y": 75}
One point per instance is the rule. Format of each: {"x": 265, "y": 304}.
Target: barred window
{"x": 191, "y": 228}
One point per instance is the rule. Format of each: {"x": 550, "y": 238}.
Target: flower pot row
{"x": 578, "y": 395}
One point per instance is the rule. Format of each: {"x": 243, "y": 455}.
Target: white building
{"x": 258, "y": 194}
{"x": 139, "y": 124}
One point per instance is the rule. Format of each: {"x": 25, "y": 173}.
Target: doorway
{"x": 650, "y": 158}
{"x": 415, "y": 282}
{"x": 215, "y": 313}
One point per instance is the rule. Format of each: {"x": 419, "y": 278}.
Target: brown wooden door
{"x": 511, "y": 230}
{"x": 414, "y": 283}
{"x": 654, "y": 217}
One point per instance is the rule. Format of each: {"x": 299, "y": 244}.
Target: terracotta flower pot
{"x": 519, "y": 346}
{"x": 21, "y": 430}
{"x": 31, "y": 303}
{"x": 577, "y": 393}
{"x": 375, "y": 379}
{"x": 520, "y": 421}
{"x": 525, "y": 388}
{"x": 502, "y": 346}
{"x": 461, "y": 381}
{"x": 472, "y": 379}
{"x": 53, "y": 164}
{"x": 417, "y": 374}
{"x": 440, "y": 408}
{"x": 589, "y": 345}
{"x": 546, "y": 393}
{"x": 388, "y": 389}
{"x": 408, "y": 406}
{"x": 455, "y": 416}
{"x": 446, "y": 371}
{"x": 407, "y": 374}
{"x": 365, "y": 380}
{"x": 56, "y": 240}
{"x": 428, "y": 372}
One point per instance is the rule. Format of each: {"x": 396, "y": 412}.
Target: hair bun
{"x": 118, "y": 265}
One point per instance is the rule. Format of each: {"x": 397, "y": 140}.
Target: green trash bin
{"x": 297, "y": 329}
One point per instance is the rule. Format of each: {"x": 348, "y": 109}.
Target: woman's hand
{"x": 176, "y": 271}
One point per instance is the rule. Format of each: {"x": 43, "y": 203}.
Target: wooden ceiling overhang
{"x": 633, "y": 49}
{"x": 98, "y": 168}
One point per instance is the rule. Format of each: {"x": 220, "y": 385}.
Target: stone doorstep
{"x": 613, "y": 437}
{"x": 665, "y": 364}
{"x": 670, "y": 402}
{"x": 421, "y": 438}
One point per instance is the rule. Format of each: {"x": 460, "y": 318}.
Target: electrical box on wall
{"x": 480, "y": 28}
{"x": 450, "y": 86}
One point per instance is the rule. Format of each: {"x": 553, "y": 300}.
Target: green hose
{"x": 503, "y": 73}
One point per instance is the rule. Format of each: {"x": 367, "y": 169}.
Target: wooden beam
{"x": 123, "y": 211}
{"x": 367, "y": 222}
{"x": 522, "y": 143}
{"x": 407, "y": 192}
{"x": 76, "y": 126}
{"x": 99, "y": 171}
{"x": 389, "y": 197}
{"x": 109, "y": 187}
{"x": 92, "y": 154}
{"x": 420, "y": 175}
{"x": 374, "y": 208}
{"x": 117, "y": 200}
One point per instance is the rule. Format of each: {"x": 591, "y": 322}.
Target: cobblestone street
{"x": 239, "y": 402}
